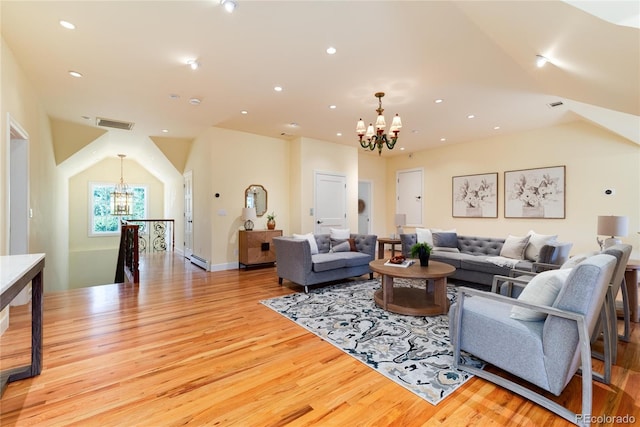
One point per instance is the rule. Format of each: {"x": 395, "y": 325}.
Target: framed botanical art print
{"x": 535, "y": 193}
{"x": 475, "y": 196}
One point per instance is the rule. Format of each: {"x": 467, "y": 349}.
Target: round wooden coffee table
{"x": 430, "y": 301}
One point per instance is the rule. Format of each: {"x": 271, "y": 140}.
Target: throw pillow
{"x": 445, "y": 240}
{"x": 424, "y": 235}
{"x": 342, "y": 247}
{"x": 514, "y": 247}
{"x": 543, "y": 290}
{"x": 536, "y": 242}
{"x": 340, "y": 233}
{"x": 547, "y": 254}
{"x": 312, "y": 241}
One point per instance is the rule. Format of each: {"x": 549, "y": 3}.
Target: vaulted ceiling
{"x": 478, "y": 57}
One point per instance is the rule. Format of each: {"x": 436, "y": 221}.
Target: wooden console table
{"x": 387, "y": 241}
{"x": 16, "y": 271}
{"x": 256, "y": 247}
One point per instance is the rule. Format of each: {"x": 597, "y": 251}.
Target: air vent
{"x": 108, "y": 123}
{"x": 555, "y": 104}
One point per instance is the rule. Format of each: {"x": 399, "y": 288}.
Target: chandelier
{"x": 378, "y": 138}
{"x": 122, "y": 196}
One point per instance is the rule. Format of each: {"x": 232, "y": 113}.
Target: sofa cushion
{"x": 424, "y": 236}
{"x": 328, "y": 261}
{"x": 312, "y": 241}
{"x": 536, "y": 242}
{"x": 479, "y": 263}
{"x": 451, "y": 258}
{"x": 355, "y": 259}
{"x": 542, "y": 289}
{"x": 514, "y": 247}
{"x": 343, "y": 246}
{"x": 445, "y": 240}
{"x": 480, "y": 245}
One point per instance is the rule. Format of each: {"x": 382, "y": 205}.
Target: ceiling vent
{"x": 108, "y": 123}
{"x": 555, "y": 104}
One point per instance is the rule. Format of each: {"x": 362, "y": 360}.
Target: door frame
{"x": 370, "y": 203}
{"x": 17, "y": 184}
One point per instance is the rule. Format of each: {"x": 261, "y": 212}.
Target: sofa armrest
{"x": 293, "y": 258}
{"x": 408, "y": 240}
{"x": 366, "y": 243}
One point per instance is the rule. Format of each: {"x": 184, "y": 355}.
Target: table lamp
{"x": 612, "y": 226}
{"x": 249, "y": 215}
{"x": 401, "y": 219}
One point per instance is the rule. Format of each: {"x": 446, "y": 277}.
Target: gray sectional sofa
{"x": 470, "y": 257}
{"x": 295, "y": 261}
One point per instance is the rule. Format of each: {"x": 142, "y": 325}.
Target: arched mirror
{"x": 255, "y": 196}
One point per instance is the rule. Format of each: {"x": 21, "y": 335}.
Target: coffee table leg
{"x": 440, "y": 293}
{"x": 387, "y": 290}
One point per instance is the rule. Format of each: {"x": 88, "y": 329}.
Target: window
{"x": 101, "y": 222}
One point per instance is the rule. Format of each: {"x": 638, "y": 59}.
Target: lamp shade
{"x": 249, "y": 214}
{"x": 613, "y": 225}
{"x": 401, "y": 219}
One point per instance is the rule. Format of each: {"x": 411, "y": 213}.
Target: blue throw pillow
{"x": 445, "y": 240}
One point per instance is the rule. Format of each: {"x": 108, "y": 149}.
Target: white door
{"x": 364, "y": 207}
{"x": 331, "y": 202}
{"x": 188, "y": 214}
{"x": 409, "y": 197}
{"x": 18, "y": 197}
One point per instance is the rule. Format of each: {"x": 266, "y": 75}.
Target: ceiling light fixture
{"x": 68, "y": 25}
{"x": 438, "y": 101}
{"x": 377, "y": 138}
{"x": 471, "y": 116}
{"x": 75, "y": 74}
{"x": 122, "y": 196}
{"x": 331, "y": 50}
{"x": 244, "y": 112}
{"x": 541, "y": 61}
{"x": 194, "y": 101}
{"x": 193, "y": 63}
{"x": 229, "y": 5}
{"x": 332, "y": 107}
{"x": 278, "y": 88}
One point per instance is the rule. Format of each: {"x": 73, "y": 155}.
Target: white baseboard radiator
{"x": 200, "y": 262}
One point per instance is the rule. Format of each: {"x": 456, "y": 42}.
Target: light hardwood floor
{"x": 187, "y": 347}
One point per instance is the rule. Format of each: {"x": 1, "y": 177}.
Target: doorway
{"x": 18, "y": 189}
{"x": 364, "y": 207}
{"x": 331, "y": 202}
{"x": 409, "y": 197}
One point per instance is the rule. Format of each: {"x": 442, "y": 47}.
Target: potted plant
{"x": 271, "y": 221}
{"x": 422, "y": 251}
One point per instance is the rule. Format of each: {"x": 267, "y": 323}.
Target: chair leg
{"x": 626, "y": 313}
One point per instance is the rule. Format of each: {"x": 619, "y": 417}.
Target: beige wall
{"x": 92, "y": 260}
{"x": 227, "y": 162}
{"x": 594, "y": 158}
{"x": 20, "y": 101}
{"x": 373, "y": 168}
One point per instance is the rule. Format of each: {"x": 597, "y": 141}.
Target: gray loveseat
{"x": 470, "y": 257}
{"x": 295, "y": 262}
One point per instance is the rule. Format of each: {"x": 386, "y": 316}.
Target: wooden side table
{"x": 387, "y": 241}
{"x": 631, "y": 280}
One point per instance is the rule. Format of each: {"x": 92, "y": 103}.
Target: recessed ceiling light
{"x": 229, "y": 5}
{"x": 443, "y": 139}
{"x": 278, "y": 88}
{"x": 75, "y": 73}
{"x": 86, "y": 117}
{"x": 471, "y": 116}
{"x": 294, "y": 124}
{"x": 438, "y": 101}
{"x": 194, "y": 101}
{"x": 339, "y": 134}
{"x": 165, "y": 130}
{"x": 68, "y": 25}
{"x": 331, "y": 50}
{"x": 401, "y": 148}
{"x": 496, "y": 127}
{"x": 194, "y": 64}
{"x": 174, "y": 96}
{"x": 244, "y": 112}
{"x": 541, "y": 60}
{"x": 333, "y": 107}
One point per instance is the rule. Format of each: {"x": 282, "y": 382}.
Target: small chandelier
{"x": 122, "y": 196}
{"x": 377, "y": 138}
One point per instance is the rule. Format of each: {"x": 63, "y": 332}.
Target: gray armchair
{"x": 546, "y": 353}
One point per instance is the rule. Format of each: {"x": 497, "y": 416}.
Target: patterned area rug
{"x": 415, "y": 352}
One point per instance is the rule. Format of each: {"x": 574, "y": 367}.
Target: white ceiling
{"x": 479, "y": 57}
